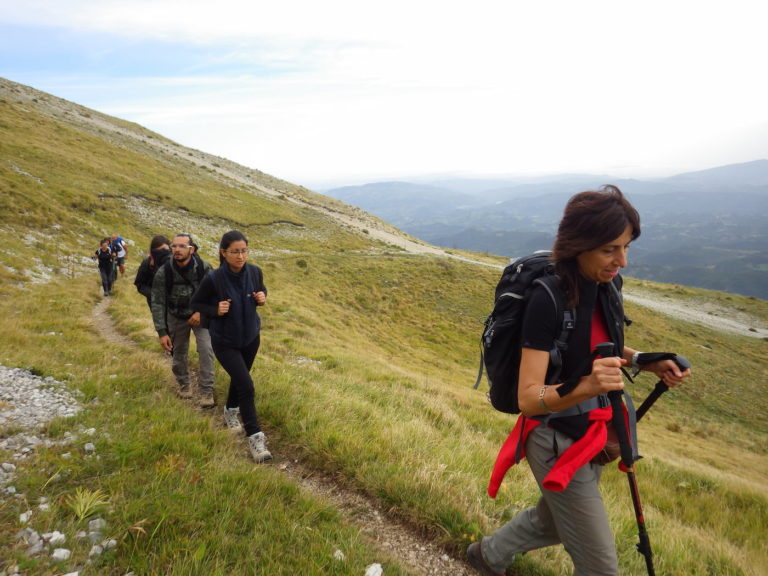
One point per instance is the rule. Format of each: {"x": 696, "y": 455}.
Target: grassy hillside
{"x": 367, "y": 359}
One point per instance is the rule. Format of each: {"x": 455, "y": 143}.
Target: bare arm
{"x": 605, "y": 377}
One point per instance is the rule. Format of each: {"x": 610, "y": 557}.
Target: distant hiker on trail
{"x": 562, "y": 429}
{"x": 105, "y": 257}
{"x": 230, "y": 295}
{"x": 172, "y": 288}
{"x": 119, "y": 246}
{"x": 159, "y": 252}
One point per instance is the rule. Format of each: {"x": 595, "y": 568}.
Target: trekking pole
{"x": 683, "y": 363}
{"x": 606, "y": 349}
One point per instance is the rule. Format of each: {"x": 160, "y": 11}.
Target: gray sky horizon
{"x": 348, "y": 91}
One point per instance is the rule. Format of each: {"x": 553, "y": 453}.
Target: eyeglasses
{"x": 237, "y": 252}
{"x": 180, "y": 247}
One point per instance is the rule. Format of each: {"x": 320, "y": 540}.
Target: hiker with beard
{"x": 559, "y": 430}
{"x": 172, "y": 288}
{"x": 159, "y": 251}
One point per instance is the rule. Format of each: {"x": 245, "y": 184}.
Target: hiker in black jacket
{"x": 105, "y": 256}
{"x": 159, "y": 251}
{"x": 563, "y": 433}
{"x": 229, "y": 296}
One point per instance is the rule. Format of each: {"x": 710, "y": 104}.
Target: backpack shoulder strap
{"x": 168, "y": 273}
{"x": 217, "y": 276}
{"x": 565, "y": 318}
{"x": 201, "y": 267}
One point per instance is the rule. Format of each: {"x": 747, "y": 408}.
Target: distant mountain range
{"x": 706, "y": 228}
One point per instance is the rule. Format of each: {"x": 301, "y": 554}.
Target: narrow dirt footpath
{"x": 417, "y": 553}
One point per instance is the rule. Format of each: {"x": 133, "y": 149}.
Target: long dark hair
{"x": 158, "y": 241}
{"x": 591, "y": 219}
{"x": 227, "y": 239}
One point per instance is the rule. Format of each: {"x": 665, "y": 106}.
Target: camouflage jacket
{"x": 174, "y": 297}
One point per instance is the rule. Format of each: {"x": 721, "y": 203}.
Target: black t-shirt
{"x": 540, "y": 329}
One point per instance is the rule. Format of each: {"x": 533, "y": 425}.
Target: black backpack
{"x": 500, "y": 342}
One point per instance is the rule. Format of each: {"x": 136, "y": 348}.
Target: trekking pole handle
{"x": 606, "y": 350}
{"x": 683, "y": 363}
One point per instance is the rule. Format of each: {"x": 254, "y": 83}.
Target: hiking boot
{"x": 258, "y": 447}
{"x": 185, "y": 393}
{"x": 476, "y": 560}
{"x": 207, "y": 401}
{"x": 232, "y": 419}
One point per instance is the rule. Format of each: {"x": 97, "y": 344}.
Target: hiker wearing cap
{"x": 230, "y": 296}
{"x": 172, "y": 288}
{"x": 564, "y": 428}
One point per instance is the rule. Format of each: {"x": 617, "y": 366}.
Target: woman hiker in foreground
{"x": 229, "y": 297}
{"x": 590, "y": 249}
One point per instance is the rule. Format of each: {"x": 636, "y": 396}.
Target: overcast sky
{"x": 317, "y": 91}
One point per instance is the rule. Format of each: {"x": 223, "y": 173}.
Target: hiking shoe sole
{"x": 476, "y": 560}
{"x": 262, "y": 457}
{"x": 207, "y": 402}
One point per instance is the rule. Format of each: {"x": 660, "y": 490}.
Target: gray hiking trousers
{"x": 575, "y": 517}
{"x": 179, "y": 330}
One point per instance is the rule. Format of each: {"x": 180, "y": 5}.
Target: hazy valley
{"x": 704, "y": 229}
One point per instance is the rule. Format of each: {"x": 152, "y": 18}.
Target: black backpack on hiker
{"x": 500, "y": 342}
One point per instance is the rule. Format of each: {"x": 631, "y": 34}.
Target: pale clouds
{"x": 312, "y": 90}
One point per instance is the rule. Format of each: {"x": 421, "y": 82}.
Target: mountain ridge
{"x": 702, "y": 228}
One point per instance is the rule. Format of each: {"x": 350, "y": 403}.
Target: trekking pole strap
{"x": 649, "y": 357}
{"x": 570, "y": 384}
{"x": 480, "y": 370}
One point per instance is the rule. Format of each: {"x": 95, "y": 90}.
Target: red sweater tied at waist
{"x": 575, "y": 456}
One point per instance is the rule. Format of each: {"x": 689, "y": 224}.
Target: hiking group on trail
{"x": 110, "y": 257}
{"x": 187, "y": 296}
{"x": 553, "y": 349}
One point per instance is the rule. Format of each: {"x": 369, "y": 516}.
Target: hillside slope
{"x": 369, "y": 349}
{"x": 153, "y": 147}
